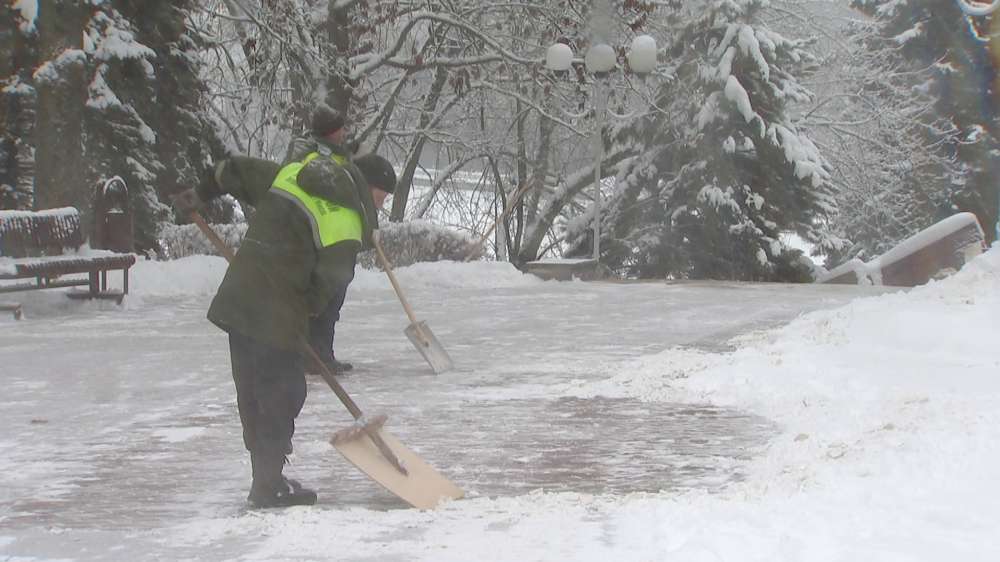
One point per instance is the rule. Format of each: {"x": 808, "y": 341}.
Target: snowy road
{"x": 119, "y": 422}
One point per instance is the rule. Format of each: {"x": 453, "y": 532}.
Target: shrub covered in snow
{"x": 404, "y": 243}
{"x": 179, "y": 241}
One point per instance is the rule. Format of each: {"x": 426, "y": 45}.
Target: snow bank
{"x": 201, "y": 275}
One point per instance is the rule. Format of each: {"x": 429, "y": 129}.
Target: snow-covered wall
{"x": 941, "y": 248}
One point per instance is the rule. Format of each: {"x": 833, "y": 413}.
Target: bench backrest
{"x": 48, "y": 232}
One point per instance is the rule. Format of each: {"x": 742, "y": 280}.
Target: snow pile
{"x": 201, "y": 275}
{"x": 889, "y": 419}
{"x": 190, "y": 276}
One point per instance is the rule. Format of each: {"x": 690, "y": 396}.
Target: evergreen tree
{"x": 724, "y": 170}
{"x": 18, "y": 42}
{"x": 946, "y": 55}
{"x": 117, "y": 92}
{"x": 61, "y": 85}
{"x": 145, "y": 120}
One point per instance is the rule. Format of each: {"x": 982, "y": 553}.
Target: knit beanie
{"x": 326, "y": 120}
{"x": 378, "y": 171}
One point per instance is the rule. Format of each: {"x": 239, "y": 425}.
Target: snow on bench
{"x": 46, "y": 246}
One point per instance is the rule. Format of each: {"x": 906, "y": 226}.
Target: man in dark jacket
{"x": 311, "y": 219}
{"x": 326, "y": 136}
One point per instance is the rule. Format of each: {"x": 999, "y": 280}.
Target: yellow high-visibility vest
{"x": 330, "y": 223}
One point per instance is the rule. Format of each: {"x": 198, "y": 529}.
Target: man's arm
{"x": 334, "y": 270}
{"x": 246, "y": 179}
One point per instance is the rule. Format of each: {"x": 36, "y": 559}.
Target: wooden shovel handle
{"x": 324, "y": 371}
{"x": 513, "y": 200}
{"x": 399, "y": 291}
{"x": 370, "y": 431}
{"x": 210, "y": 233}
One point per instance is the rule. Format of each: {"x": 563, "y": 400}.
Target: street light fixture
{"x": 601, "y": 59}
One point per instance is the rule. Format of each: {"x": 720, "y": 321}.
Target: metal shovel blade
{"x": 430, "y": 347}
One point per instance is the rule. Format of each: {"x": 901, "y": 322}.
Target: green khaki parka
{"x": 283, "y": 272}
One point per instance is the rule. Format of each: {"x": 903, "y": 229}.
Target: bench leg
{"x": 14, "y": 308}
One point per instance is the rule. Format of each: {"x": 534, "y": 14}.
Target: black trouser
{"x": 323, "y": 326}
{"x": 270, "y": 392}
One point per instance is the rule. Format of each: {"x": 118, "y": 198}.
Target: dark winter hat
{"x": 378, "y": 171}
{"x": 326, "y": 120}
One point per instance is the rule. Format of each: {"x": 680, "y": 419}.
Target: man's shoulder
{"x": 355, "y": 175}
{"x": 301, "y": 147}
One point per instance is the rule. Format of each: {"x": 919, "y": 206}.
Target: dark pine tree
{"x": 19, "y": 43}
{"x": 725, "y": 172}
{"x": 951, "y": 57}
{"x": 145, "y": 114}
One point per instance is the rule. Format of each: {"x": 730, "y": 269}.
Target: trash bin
{"x": 113, "y": 213}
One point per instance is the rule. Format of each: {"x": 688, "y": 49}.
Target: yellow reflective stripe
{"x": 330, "y": 223}
{"x": 335, "y": 157}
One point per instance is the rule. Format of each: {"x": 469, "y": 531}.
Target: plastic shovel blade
{"x": 423, "y": 487}
{"x": 433, "y": 353}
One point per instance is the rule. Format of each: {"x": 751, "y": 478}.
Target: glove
{"x": 186, "y": 201}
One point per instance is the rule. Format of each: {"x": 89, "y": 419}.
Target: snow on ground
{"x": 888, "y": 439}
{"x": 201, "y": 275}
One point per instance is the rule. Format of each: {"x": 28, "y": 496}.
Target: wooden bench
{"x": 46, "y": 247}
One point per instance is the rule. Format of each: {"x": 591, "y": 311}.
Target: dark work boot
{"x": 341, "y": 366}
{"x": 286, "y": 493}
{"x": 336, "y": 367}
{"x": 271, "y": 489}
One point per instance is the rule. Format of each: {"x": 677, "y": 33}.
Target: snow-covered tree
{"x": 938, "y": 53}
{"x": 407, "y": 75}
{"x": 117, "y": 93}
{"x": 144, "y": 116}
{"x": 445, "y": 89}
{"x": 60, "y": 82}
{"x": 18, "y": 43}
{"x": 869, "y": 125}
{"x": 455, "y": 92}
{"x": 724, "y": 170}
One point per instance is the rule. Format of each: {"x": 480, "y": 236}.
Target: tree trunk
{"x": 340, "y": 33}
{"x": 62, "y": 95}
{"x": 547, "y": 213}
{"x": 402, "y": 194}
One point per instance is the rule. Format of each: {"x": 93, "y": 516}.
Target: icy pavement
{"x": 119, "y": 422}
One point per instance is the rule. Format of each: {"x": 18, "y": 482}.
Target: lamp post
{"x": 601, "y": 59}
{"x": 982, "y": 9}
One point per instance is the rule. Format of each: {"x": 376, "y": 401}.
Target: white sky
{"x": 888, "y": 439}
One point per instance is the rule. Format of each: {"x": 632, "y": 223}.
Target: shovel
{"x": 510, "y": 204}
{"x": 418, "y": 331}
{"x": 366, "y": 444}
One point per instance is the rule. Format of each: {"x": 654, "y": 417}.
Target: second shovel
{"x": 418, "y": 331}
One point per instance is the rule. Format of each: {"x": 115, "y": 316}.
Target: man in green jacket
{"x": 311, "y": 218}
